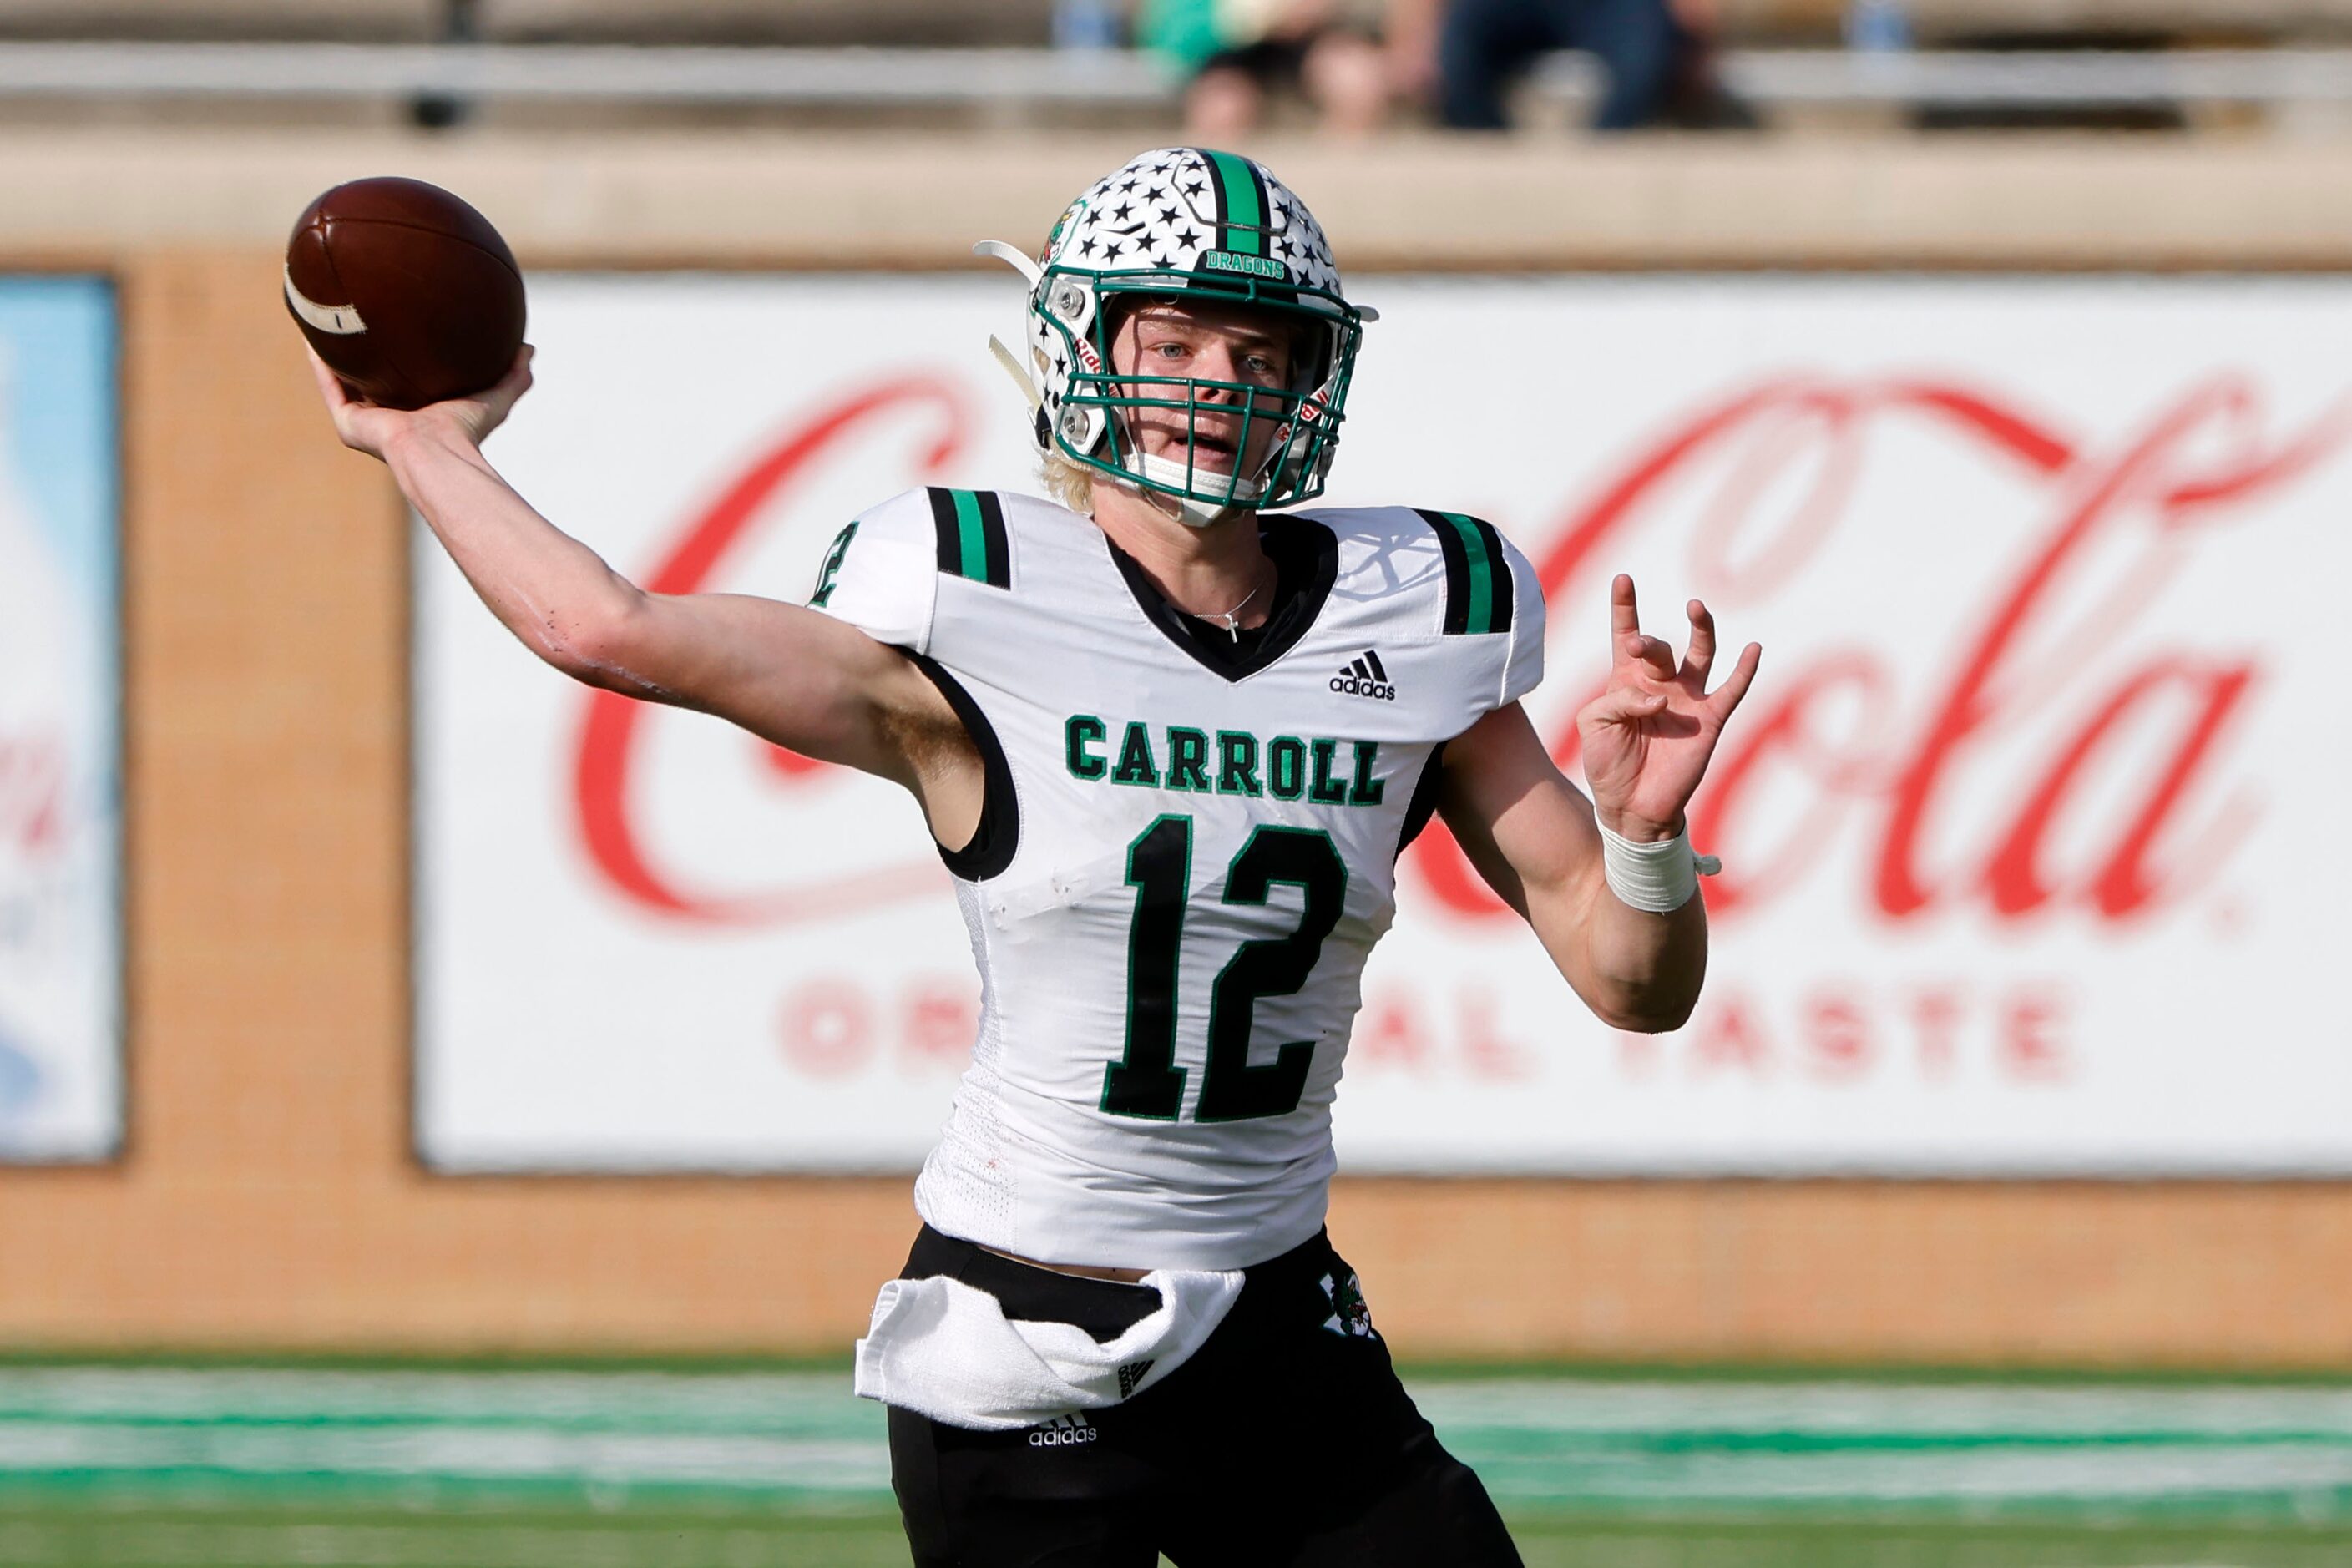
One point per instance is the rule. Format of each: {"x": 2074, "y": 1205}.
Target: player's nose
{"x": 1214, "y": 361}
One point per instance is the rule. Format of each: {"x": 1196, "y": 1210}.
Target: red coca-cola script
{"x": 2120, "y": 507}
{"x": 613, "y": 729}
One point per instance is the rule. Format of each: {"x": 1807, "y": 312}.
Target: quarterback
{"x": 1171, "y": 729}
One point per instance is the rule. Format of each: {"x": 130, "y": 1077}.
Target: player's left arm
{"x": 1531, "y": 834}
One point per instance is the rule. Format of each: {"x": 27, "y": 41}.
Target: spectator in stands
{"x": 1236, "y": 52}
{"x": 1657, "y": 54}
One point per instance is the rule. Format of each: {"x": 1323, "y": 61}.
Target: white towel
{"x": 946, "y": 1349}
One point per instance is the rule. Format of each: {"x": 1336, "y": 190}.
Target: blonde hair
{"x": 1068, "y": 481}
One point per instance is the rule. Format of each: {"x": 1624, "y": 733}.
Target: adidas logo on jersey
{"x": 1063, "y": 1432}
{"x": 1365, "y": 677}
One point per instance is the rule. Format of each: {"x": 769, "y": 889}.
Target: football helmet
{"x": 1187, "y": 223}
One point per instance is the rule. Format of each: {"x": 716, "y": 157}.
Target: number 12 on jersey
{"x": 1146, "y": 1081}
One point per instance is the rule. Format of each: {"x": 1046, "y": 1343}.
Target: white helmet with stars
{"x": 1184, "y": 222}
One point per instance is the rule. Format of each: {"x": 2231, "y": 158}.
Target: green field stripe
{"x": 1833, "y": 1405}
{"x": 807, "y": 1403}
{"x": 2170, "y": 1451}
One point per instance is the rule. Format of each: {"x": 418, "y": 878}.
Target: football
{"x": 407, "y": 293}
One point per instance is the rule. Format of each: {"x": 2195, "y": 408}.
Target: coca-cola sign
{"x": 2025, "y": 864}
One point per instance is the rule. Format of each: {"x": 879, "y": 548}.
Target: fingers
{"x": 1655, "y": 658}
{"x": 1735, "y": 685}
{"x": 1701, "y": 656}
{"x": 331, "y": 385}
{"x": 1625, "y": 633}
{"x": 1623, "y": 618}
{"x": 492, "y": 405}
{"x": 1623, "y": 705}
{"x": 518, "y": 375}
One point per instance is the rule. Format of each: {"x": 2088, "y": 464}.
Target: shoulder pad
{"x": 880, "y": 573}
{"x": 1480, "y": 597}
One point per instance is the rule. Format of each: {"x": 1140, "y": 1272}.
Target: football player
{"x": 1171, "y": 733}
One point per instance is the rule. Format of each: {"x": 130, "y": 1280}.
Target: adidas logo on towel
{"x": 1365, "y": 677}
{"x": 1062, "y": 1431}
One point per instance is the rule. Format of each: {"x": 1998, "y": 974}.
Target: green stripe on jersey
{"x": 972, "y": 543}
{"x": 1479, "y": 615}
{"x": 973, "y": 536}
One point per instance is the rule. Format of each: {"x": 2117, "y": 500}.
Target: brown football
{"x": 406, "y": 292}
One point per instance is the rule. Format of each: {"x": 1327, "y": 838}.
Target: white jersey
{"x": 1180, "y": 867}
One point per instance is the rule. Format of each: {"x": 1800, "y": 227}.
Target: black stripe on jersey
{"x": 1379, "y": 673}
{"x": 1423, "y": 803}
{"x": 1361, "y": 670}
{"x": 999, "y": 574}
{"x": 994, "y": 841}
{"x": 1464, "y": 573}
{"x": 951, "y": 532}
{"x": 1457, "y": 569}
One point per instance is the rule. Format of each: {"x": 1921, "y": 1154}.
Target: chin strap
{"x": 1185, "y": 475}
{"x": 1204, "y": 514}
{"x": 1191, "y": 511}
{"x": 1181, "y": 507}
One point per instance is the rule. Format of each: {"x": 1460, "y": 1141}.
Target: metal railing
{"x": 789, "y": 77}
{"x": 617, "y": 73}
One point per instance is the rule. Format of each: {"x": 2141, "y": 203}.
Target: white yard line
{"x": 2283, "y": 1451}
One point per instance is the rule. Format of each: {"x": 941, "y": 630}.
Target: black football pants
{"x": 1286, "y": 1441}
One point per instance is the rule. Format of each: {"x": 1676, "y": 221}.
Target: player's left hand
{"x": 1648, "y": 737}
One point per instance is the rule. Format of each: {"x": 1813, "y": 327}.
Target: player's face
{"x": 1204, "y": 342}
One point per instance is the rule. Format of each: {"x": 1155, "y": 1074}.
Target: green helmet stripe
{"x": 1240, "y": 204}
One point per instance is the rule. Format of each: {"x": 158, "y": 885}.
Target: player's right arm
{"x": 806, "y": 681}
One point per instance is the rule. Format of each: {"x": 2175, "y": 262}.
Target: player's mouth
{"x": 1203, "y": 449}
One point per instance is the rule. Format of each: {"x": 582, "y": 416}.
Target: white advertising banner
{"x": 60, "y": 916}
{"x": 2028, "y": 857}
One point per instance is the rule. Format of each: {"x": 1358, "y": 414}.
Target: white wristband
{"x": 1659, "y": 878}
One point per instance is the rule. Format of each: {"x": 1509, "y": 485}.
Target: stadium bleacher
{"x": 2124, "y": 64}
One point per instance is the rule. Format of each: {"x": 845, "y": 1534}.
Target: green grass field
{"x": 90, "y": 1533}
{"x": 209, "y": 1466}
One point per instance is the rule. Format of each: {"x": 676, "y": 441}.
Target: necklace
{"x": 1233, "y": 625}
